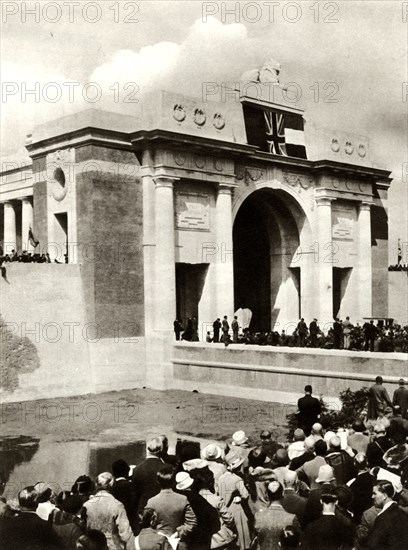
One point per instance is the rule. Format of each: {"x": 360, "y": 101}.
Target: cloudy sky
{"x": 178, "y": 45}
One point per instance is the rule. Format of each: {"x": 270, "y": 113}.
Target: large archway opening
{"x": 267, "y": 259}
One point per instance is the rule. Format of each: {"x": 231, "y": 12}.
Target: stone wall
{"x": 280, "y": 374}
{"x": 45, "y": 303}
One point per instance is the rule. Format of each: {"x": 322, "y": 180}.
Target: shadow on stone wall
{"x": 18, "y": 356}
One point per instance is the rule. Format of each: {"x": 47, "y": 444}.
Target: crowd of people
{"x": 341, "y": 335}
{"x": 29, "y": 258}
{"x": 323, "y": 490}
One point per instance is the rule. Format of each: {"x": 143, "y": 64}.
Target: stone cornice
{"x": 80, "y": 138}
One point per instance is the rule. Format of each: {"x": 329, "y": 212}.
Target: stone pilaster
{"x": 324, "y": 267}
{"x": 165, "y": 277}
{"x": 364, "y": 265}
{"x": 26, "y": 223}
{"x": 224, "y": 284}
{"x": 10, "y": 230}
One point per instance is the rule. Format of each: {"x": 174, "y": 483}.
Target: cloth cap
{"x": 183, "y": 481}
{"x": 326, "y": 474}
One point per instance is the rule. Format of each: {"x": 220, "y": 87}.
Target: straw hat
{"x": 326, "y": 474}
{"x": 183, "y": 481}
{"x": 239, "y": 438}
{"x": 234, "y": 460}
{"x": 211, "y": 452}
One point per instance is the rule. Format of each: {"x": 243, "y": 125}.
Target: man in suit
{"x": 235, "y": 329}
{"x": 216, "y": 329}
{"x": 122, "y": 490}
{"x": 390, "y": 530}
{"x": 378, "y": 447}
{"x": 25, "y": 529}
{"x": 174, "y": 513}
{"x": 311, "y": 468}
{"x": 292, "y": 502}
{"x": 225, "y": 330}
{"x": 378, "y": 396}
{"x": 309, "y": 410}
{"x": 330, "y": 531}
{"x": 144, "y": 478}
{"x": 400, "y": 398}
{"x": 313, "y": 331}
{"x": 361, "y": 487}
{"x": 302, "y": 332}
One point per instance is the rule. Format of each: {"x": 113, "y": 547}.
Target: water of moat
{"x": 25, "y": 460}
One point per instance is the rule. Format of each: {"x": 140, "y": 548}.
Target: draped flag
{"x": 31, "y": 239}
{"x": 277, "y": 132}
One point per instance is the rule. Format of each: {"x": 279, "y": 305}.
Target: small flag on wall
{"x": 31, "y": 239}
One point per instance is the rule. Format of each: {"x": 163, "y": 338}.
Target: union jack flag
{"x": 275, "y": 132}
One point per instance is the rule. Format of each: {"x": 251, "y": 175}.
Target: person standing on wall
{"x": 225, "y": 329}
{"x": 235, "y": 328}
{"x": 302, "y": 332}
{"x": 313, "y": 331}
{"x": 216, "y": 329}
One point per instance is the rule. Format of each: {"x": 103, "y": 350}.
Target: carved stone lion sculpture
{"x": 268, "y": 73}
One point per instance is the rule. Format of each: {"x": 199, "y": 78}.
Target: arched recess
{"x": 272, "y": 258}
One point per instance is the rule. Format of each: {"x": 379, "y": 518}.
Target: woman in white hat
{"x": 232, "y": 490}
{"x": 212, "y": 454}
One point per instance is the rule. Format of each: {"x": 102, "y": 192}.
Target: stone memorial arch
{"x": 198, "y": 208}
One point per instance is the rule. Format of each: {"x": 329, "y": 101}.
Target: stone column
{"x": 26, "y": 223}
{"x": 165, "y": 288}
{"x": 323, "y": 290}
{"x": 364, "y": 265}
{"x": 224, "y": 280}
{"x": 10, "y": 233}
